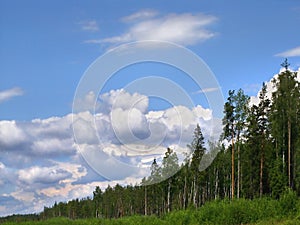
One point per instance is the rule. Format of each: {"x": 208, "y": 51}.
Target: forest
{"x": 257, "y": 170}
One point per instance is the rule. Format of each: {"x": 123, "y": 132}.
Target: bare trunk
{"x": 184, "y": 193}
{"x": 239, "y": 172}
{"x": 232, "y": 168}
{"x": 194, "y": 192}
{"x": 216, "y": 184}
{"x": 289, "y": 152}
{"x": 145, "y": 200}
{"x": 261, "y": 171}
{"x": 169, "y": 196}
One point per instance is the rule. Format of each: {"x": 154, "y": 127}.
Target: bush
{"x": 289, "y": 203}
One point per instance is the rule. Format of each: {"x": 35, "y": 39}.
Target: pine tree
{"x": 264, "y": 131}
{"x": 229, "y": 133}
{"x": 241, "y": 101}
{"x": 169, "y": 168}
{"x": 98, "y": 198}
{"x": 284, "y": 120}
{"x": 155, "y": 187}
{"x": 198, "y": 149}
{"x": 251, "y": 154}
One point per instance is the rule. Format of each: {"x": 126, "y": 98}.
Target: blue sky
{"x": 43, "y": 49}
{"x": 46, "y": 47}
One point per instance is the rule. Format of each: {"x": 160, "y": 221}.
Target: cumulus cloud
{"x": 294, "y": 52}
{"x": 10, "y": 134}
{"x": 185, "y": 29}
{"x": 46, "y": 175}
{"x": 10, "y": 93}
{"x": 125, "y": 132}
{"x": 122, "y": 99}
{"x": 254, "y": 100}
{"x": 52, "y": 146}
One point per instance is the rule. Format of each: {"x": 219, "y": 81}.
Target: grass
{"x": 265, "y": 211}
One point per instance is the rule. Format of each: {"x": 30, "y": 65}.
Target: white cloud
{"x": 185, "y": 29}
{"x": 52, "y": 146}
{"x": 24, "y": 196}
{"x": 2, "y": 166}
{"x": 85, "y": 128}
{"x": 207, "y": 90}
{"x": 45, "y": 175}
{"x": 140, "y": 15}
{"x": 10, "y": 93}
{"x": 254, "y": 100}
{"x": 10, "y": 134}
{"x": 121, "y": 99}
{"x": 294, "y": 52}
{"x": 90, "y": 25}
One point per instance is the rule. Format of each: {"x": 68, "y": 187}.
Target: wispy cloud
{"x": 185, "y": 29}
{"x": 206, "y": 90}
{"x": 140, "y": 15}
{"x": 294, "y": 52}
{"x": 93, "y": 41}
{"x": 10, "y": 93}
{"x": 90, "y": 25}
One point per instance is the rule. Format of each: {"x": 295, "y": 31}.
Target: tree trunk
{"x": 232, "y": 168}
{"x": 145, "y": 200}
{"x": 289, "y": 152}
{"x": 194, "y": 192}
{"x": 169, "y": 196}
{"x": 239, "y": 172}
{"x": 261, "y": 171}
{"x": 216, "y": 183}
{"x": 184, "y": 193}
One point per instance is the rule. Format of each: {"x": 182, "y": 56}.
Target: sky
{"x": 65, "y": 122}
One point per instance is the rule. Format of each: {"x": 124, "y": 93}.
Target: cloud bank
{"x": 41, "y": 162}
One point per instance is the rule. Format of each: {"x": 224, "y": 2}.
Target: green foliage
{"x": 225, "y": 212}
{"x": 289, "y": 202}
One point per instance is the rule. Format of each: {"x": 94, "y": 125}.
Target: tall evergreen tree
{"x": 98, "y": 198}
{"x": 229, "y": 133}
{"x": 198, "y": 150}
{"x": 241, "y": 101}
{"x": 264, "y": 131}
{"x": 285, "y": 120}
{"x": 169, "y": 168}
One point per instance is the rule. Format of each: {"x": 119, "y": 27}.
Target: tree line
{"x": 258, "y": 155}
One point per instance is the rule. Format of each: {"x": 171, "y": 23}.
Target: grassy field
{"x": 265, "y": 211}
{"x": 147, "y": 221}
